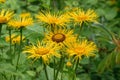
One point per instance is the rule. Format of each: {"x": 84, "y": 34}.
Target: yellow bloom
{"x": 2, "y": 1}
{"x": 5, "y": 15}
{"x": 68, "y": 64}
{"x": 81, "y": 16}
{"x": 14, "y": 38}
{"x": 42, "y": 50}
{"x": 53, "y": 19}
{"x": 22, "y": 20}
{"x": 60, "y": 37}
{"x": 81, "y": 48}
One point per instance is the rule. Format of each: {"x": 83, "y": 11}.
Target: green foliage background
{"x": 102, "y": 67}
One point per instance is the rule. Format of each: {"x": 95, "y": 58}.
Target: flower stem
{"x": 20, "y": 49}
{"x": 61, "y": 64}
{"x": 14, "y": 49}
{"x": 54, "y": 69}
{"x": 10, "y": 39}
{"x": 0, "y": 30}
{"x": 46, "y": 72}
{"x": 77, "y": 62}
{"x": 61, "y": 75}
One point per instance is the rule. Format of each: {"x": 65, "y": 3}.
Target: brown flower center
{"x": 59, "y": 37}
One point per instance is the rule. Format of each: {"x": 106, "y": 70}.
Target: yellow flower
{"x": 60, "y": 37}
{"x": 79, "y": 16}
{"x": 82, "y": 48}
{"x": 68, "y": 64}
{"x": 5, "y": 15}
{"x": 42, "y": 50}
{"x": 15, "y": 39}
{"x": 23, "y": 20}
{"x": 2, "y": 1}
{"x": 53, "y": 19}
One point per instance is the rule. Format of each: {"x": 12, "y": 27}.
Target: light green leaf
{"x": 31, "y": 73}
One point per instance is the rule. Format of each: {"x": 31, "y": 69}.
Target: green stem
{"x": 0, "y": 30}
{"x": 10, "y": 39}
{"x": 77, "y": 63}
{"x": 14, "y": 49}
{"x": 61, "y": 64}
{"x": 46, "y": 72}
{"x": 1, "y": 57}
{"x": 61, "y": 75}
{"x": 58, "y": 69}
{"x": 54, "y": 69}
{"x": 20, "y": 49}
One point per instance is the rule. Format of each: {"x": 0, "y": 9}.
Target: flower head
{"x": 5, "y": 15}
{"x": 81, "y": 16}
{"x": 23, "y": 20}
{"x": 81, "y": 48}
{"x": 2, "y": 1}
{"x": 15, "y": 39}
{"x": 42, "y": 50}
{"x": 60, "y": 37}
{"x": 53, "y": 19}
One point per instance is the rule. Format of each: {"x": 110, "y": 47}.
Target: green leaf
{"x": 3, "y": 42}
{"x": 31, "y": 73}
{"x": 110, "y": 13}
{"x": 85, "y": 60}
{"x": 33, "y": 8}
{"x": 118, "y": 58}
{"x": 33, "y": 33}
{"x": 106, "y": 63}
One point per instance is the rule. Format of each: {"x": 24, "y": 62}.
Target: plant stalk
{"x": 0, "y": 30}
{"x": 46, "y": 72}
{"x": 77, "y": 63}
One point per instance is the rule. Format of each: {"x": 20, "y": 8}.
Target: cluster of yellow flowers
{"x": 59, "y": 40}
{"x": 15, "y": 39}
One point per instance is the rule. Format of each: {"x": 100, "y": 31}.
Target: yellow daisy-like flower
{"x": 22, "y": 20}
{"x": 79, "y": 16}
{"x": 60, "y": 37}
{"x": 2, "y": 1}
{"x": 53, "y": 19}
{"x": 5, "y": 15}
{"x": 81, "y": 48}
{"x": 42, "y": 50}
{"x": 15, "y": 39}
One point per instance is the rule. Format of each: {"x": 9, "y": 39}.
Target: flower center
{"x": 59, "y": 37}
{"x": 42, "y": 51}
{"x": 82, "y": 18}
{"x": 80, "y": 50}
